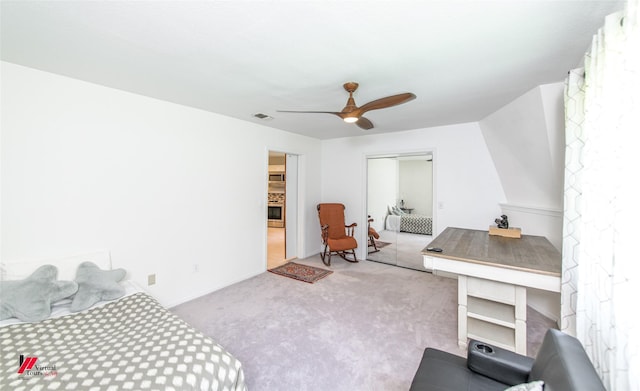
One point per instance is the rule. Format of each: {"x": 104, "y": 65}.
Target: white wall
{"x": 164, "y": 187}
{"x": 526, "y": 140}
{"x": 467, "y": 190}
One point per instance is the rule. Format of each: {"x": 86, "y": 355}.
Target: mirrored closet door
{"x": 400, "y": 208}
{"x": 382, "y": 186}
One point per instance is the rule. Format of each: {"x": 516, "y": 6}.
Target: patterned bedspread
{"x": 416, "y": 224}
{"x": 131, "y": 344}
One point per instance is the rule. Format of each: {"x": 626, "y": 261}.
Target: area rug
{"x": 300, "y": 272}
{"x": 380, "y": 244}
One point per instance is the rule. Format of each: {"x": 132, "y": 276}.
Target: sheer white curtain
{"x": 600, "y": 287}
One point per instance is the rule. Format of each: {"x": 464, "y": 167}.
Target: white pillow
{"x": 537, "y": 385}
{"x": 393, "y": 210}
{"x": 398, "y": 212}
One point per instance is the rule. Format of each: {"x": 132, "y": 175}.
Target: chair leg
{"x": 344, "y": 254}
{"x": 355, "y": 259}
{"x": 372, "y": 243}
{"x": 324, "y": 255}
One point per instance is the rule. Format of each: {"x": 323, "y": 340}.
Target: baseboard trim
{"x": 206, "y": 292}
{"x": 544, "y": 211}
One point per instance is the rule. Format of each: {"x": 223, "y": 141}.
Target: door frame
{"x": 299, "y": 188}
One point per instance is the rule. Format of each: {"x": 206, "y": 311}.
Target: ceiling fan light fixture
{"x": 350, "y": 120}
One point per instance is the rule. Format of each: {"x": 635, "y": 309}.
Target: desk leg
{"x": 521, "y": 320}
{"x": 462, "y": 311}
{"x": 428, "y": 262}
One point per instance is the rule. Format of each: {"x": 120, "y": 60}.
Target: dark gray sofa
{"x": 561, "y": 363}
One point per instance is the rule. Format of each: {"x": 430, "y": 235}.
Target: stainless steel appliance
{"x": 275, "y": 210}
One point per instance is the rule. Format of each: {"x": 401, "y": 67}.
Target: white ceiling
{"x": 463, "y": 59}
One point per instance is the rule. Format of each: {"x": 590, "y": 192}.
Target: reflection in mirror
{"x": 400, "y": 208}
{"x": 382, "y": 186}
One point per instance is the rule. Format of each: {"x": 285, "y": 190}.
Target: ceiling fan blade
{"x": 364, "y": 123}
{"x": 319, "y": 112}
{"x": 389, "y": 101}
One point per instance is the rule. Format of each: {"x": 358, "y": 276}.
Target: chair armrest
{"x": 497, "y": 363}
{"x": 324, "y": 232}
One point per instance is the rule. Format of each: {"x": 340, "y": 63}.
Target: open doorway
{"x": 282, "y": 208}
{"x": 400, "y": 208}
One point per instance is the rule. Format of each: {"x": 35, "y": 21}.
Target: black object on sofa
{"x": 561, "y": 363}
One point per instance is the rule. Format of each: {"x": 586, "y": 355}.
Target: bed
{"x": 412, "y": 223}
{"x": 417, "y": 224}
{"x": 131, "y": 342}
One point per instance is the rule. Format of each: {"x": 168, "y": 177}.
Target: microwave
{"x": 276, "y": 177}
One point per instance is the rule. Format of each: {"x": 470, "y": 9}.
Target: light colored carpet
{"x": 364, "y": 327}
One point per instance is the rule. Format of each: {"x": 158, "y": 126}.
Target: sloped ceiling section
{"x": 526, "y": 142}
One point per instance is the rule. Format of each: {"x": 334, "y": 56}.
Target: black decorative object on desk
{"x": 502, "y": 222}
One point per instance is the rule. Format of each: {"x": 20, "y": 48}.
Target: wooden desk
{"x": 493, "y": 274}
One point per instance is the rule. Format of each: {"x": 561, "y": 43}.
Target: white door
{"x": 291, "y": 206}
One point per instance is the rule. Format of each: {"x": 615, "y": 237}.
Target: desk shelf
{"x": 492, "y": 312}
{"x": 491, "y": 333}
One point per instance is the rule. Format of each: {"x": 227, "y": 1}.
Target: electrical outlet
{"x": 151, "y": 279}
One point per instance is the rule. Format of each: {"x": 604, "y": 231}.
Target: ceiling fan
{"x": 353, "y": 114}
